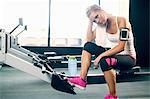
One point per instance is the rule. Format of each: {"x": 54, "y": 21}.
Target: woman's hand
{"x": 96, "y": 61}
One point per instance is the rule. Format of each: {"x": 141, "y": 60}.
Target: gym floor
{"x": 15, "y": 84}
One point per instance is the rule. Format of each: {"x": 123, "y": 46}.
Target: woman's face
{"x": 99, "y": 17}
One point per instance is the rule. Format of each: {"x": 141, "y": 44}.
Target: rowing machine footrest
{"x": 56, "y": 58}
{"x": 50, "y": 53}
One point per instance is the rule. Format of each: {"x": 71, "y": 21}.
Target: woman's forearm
{"x": 89, "y": 35}
{"x": 115, "y": 50}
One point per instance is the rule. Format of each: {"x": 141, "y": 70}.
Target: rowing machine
{"x": 20, "y": 58}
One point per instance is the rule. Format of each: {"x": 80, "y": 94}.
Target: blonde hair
{"x": 92, "y": 8}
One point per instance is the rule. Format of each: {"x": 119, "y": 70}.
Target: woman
{"x": 111, "y": 32}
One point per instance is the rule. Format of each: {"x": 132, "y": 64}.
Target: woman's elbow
{"x": 122, "y": 48}
{"x": 89, "y": 39}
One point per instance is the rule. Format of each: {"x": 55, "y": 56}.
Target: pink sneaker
{"x": 78, "y": 82}
{"x": 110, "y": 97}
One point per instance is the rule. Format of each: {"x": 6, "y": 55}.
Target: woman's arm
{"x": 122, "y": 23}
{"x": 118, "y": 48}
{"x": 115, "y": 50}
{"x": 90, "y": 33}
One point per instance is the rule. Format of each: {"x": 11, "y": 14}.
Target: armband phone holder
{"x": 124, "y": 34}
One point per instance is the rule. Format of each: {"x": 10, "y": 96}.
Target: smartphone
{"x": 124, "y": 34}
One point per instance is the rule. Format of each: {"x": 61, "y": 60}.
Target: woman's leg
{"x": 85, "y": 64}
{"x": 124, "y": 62}
{"x": 110, "y": 78}
{"x": 109, "y": 75}
{"x": 81, "y": 82}
{"x": 88, "y": 50}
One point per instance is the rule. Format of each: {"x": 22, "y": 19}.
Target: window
{"x": 35, "y": 16}
{"x": 116, "y": 7}
{"x": 69, "y": 22}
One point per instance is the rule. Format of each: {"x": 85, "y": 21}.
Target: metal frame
{"x": 20, "y": 58}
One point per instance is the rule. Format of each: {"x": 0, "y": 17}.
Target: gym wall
{"x": 139, "y": 18}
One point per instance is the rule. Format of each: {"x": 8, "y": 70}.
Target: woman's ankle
{"x": 113, "y": 93}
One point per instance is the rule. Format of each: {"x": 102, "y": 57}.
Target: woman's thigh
{"x": 93, "y": 49}
{"x": 124, "y": 62}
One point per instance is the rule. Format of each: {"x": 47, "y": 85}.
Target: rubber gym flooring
{"x": 15, "y": 84}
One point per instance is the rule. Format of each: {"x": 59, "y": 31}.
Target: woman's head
{"x": 91, "y": 9}
{"x": 96, "y": 14}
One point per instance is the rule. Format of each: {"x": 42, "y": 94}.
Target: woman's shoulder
{"x": 123, "y": 22}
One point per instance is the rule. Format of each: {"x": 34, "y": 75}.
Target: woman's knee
{"x": 88, "y": 47}
{"x": 105, "y": 64}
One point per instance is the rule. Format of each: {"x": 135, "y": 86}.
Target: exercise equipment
{"x": 12, "y": 54}
{"x": 20, "y": 24}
